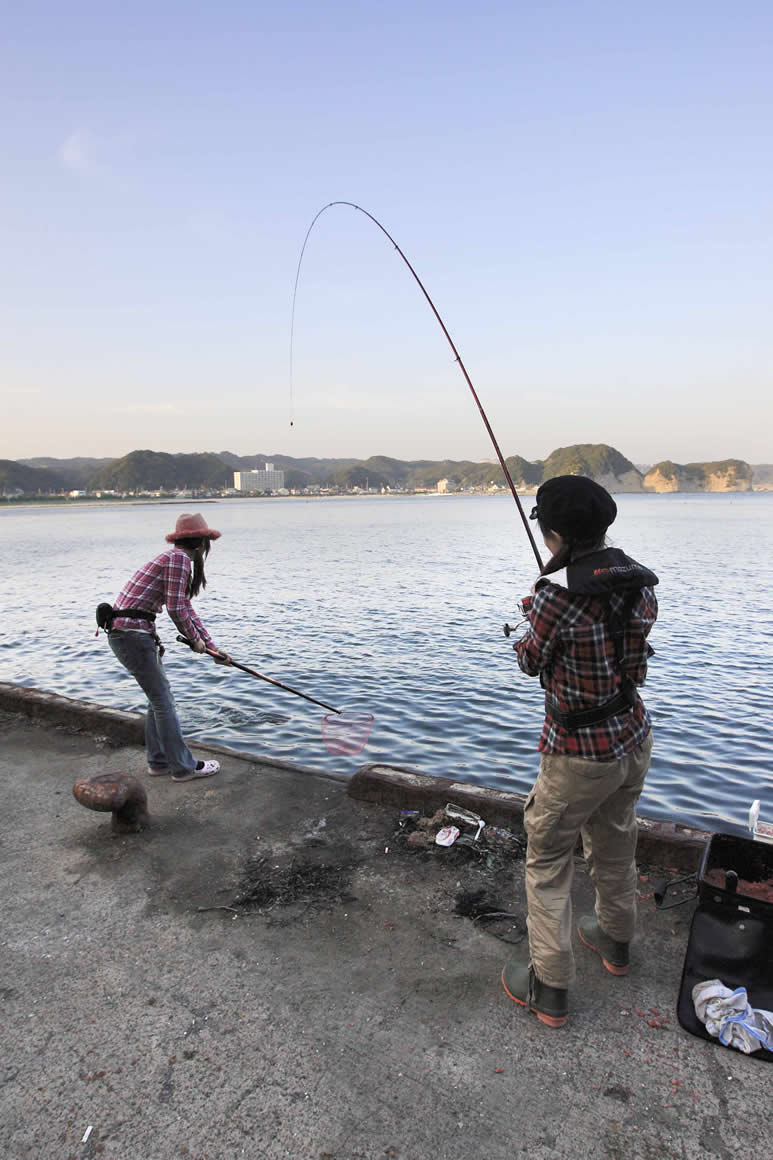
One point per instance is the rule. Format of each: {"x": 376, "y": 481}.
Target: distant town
{"x": 161, "y": 475}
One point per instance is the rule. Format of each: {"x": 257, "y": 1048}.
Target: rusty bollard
{"x": 119, "y": 794}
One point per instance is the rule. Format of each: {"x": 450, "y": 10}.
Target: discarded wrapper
{"x": 500, "y": 832}
{"x": 762, "y": 831}
{"x": 463, "y": 815}
{"x": 447, "y": 836}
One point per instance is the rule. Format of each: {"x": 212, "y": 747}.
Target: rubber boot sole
{"x": 548, "y": 1020}
{"x": 613, "y": 970}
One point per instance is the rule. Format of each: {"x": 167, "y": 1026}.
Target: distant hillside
{"x": 722, "y": 475}
{"x": 426, "y": 473}
{"x": 16, "y": 477}
{"x": 358, "y": 476}
{"x": 74, "y": 472}
{"x": 157, "y": 470}
{"x": 314, "y": 470}
{"x": 385, "y": 471}
{"x": 154, "y": 470}
{"x": 762, "y": 475}
{"x": 423, "y": 473}
{"x": 598, "y": 461}
{"x": 528, "y": 474}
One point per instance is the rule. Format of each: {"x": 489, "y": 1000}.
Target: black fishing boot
{"x": 549, "y": 1004}
{"x": 614, "y": 955}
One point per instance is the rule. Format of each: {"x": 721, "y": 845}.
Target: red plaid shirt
{"x": 164, "y": 581}
{"x": 568, "y": 643}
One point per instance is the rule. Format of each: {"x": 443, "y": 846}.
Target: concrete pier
{"x": 347, "y": 1012}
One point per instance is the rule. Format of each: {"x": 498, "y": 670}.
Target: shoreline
{"x": 9, "y": 504}
{"x": 377, "y": 783}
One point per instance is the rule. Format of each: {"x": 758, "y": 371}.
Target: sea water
{"x": 394, "y": 606}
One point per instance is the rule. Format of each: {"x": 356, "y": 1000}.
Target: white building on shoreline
{"x": 266, "y": 480}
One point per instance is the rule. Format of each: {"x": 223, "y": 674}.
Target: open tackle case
{"x": 731, "y": 936}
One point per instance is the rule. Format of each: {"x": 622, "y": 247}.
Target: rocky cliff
{"x": 725, "y": 475}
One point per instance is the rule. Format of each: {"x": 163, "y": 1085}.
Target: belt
{"x": 139, "y": 614}
{"x": 134, "y": 614}
{"x": 622, "y": 702}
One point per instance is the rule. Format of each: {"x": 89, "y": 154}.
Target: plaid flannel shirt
{"x": 568, "y": 644}
{"x": 164, "y": 581}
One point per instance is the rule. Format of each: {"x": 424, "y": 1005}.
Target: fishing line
{"x": 457, "y": 356}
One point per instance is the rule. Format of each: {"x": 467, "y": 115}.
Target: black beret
{"x": 574, "y": 506}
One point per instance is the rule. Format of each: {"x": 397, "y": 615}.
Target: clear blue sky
{"x": 585, "y": 187}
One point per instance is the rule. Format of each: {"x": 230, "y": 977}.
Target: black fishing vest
{"x": 603, "y": 574}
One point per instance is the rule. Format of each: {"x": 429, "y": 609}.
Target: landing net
{"x": 347, "y": 732}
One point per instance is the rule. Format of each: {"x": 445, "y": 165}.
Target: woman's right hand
{"x": 199, "y": 646}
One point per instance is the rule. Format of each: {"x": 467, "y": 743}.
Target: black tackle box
{"x": 731, "y": 936}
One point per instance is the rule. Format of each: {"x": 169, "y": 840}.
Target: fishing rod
{"x": 254, "y": 673}
{"x": 442, "y": 325}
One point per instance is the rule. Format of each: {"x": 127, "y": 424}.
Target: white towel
{"x": 730, "y": 1018}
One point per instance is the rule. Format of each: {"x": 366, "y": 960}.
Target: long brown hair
{"x": 198, "y": 549}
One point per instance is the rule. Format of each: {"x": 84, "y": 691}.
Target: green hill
{"x": 358, "y": 476}
{"x": 157, "y": 470}
{"x": 591, "y": 459}
{"x": 462, "y": 472}
{"x": 15, "y": 477}
{"x": 76, "y": 473}
{"x": 314, "y": 470}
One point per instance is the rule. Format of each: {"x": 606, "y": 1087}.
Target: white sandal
{"x": 202, "y": 769}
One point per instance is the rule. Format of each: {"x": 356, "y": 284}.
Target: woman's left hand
{"x": 220, "y": 658}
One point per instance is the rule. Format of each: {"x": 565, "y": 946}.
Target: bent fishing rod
{"x": 254, "y": 673}
{"x": 457, "y": 356}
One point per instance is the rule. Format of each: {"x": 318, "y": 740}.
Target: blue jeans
{"x": 164, "y": 743}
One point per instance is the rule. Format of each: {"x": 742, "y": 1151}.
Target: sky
{"x": 584, "y": 187}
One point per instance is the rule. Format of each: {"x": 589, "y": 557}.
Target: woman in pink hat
{"x": 170, "y": 579}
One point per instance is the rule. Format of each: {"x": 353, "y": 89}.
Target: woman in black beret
{"x": 587, "y": 623}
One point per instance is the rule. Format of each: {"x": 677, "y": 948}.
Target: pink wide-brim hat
{"x": 191, "y": 527}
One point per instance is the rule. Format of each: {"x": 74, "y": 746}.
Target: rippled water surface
{"x": 395, "y": 606}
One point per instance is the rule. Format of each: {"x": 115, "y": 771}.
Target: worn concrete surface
{"x": 369, "y": 1025}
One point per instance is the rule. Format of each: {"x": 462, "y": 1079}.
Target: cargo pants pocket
{"x": 542, "y": 815}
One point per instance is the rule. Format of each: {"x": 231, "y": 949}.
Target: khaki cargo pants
{"x": 597, "y": 799}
